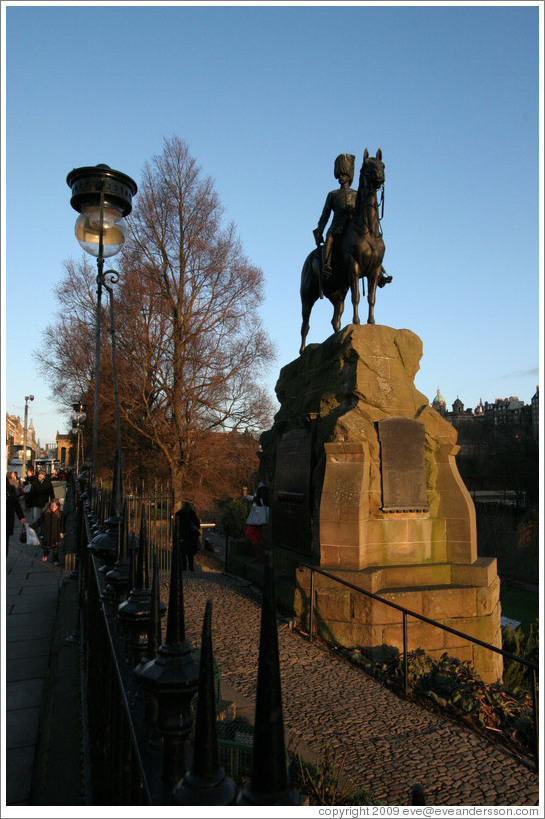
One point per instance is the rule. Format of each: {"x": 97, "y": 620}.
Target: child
{"x": 53, "y": 530}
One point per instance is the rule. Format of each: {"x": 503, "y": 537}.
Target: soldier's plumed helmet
{"x": 344, "y": 164}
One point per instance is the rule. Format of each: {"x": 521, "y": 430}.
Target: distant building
{"x": 439, "y": 403}
{"x": 461, "y": 415}
{"x": 509, "y": 412}
{"x": 14, "y": 438}
{"x": 64, "y": 447}
{"x": 535, "y": 413}
{"x": 502, "y": 412}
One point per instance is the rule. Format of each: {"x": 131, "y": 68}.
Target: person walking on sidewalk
{"x": 13, "y": 508}
{"x": 189, "y": 532}
{"x": 42, "y": 492}
{"x": 53, "y": 522}
{"x": 29, "y": 487}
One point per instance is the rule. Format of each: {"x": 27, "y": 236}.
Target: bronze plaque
{"x": 291, "y": 501}
{"x": 403, "y": 465}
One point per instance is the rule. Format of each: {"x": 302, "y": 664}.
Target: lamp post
{"x": 23, "y": 466}
{"x": 78, "y": 420}
{"x": 102, "y": 197}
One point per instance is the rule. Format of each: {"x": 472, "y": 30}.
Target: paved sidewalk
{"x": 32, "y": 593}
{"x": 32, "y": 598}
{"x": 388, "y": 744}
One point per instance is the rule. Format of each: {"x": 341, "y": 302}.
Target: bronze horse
{"x": 357, "y": 253}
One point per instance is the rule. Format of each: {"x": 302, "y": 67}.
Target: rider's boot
{"x": 383, "y": 278}
{"x": 326, "y": 268}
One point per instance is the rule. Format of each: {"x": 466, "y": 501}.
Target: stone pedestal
{"x": 363, "y": 482}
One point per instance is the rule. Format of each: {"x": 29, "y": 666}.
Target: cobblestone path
{"x": 388, "y": 744}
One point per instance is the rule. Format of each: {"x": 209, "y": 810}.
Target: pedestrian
{"x": 53, "y": 523}
{"x": 29, "y": 485}
{"x": 42, "y": 493}
{"x": 258, "y": 517}
{"x": 15, "y": 481}
{"x": 189, "y": 531}
{"x": 13, "y": 508}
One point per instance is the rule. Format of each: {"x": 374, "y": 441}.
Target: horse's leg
{"x": 371, "y": 293}
{"x": 338, "y": 310}
{"x": 305, "y": 326}
{"x": 353, "y": 278}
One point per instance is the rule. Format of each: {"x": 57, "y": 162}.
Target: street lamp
{"x": 78, "y": 420}
{"x": 23, "y": 467}
{"x": 102, "y": 197}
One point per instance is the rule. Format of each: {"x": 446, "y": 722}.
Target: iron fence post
{"x": 135, "y": 612}
{"x": 172, "y": 677}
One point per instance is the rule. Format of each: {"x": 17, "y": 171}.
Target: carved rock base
{"x": 397, "y": 523}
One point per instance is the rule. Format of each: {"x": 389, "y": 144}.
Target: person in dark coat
{"x": 29, "y": 486}
{"x": 13, "y": 478}
{"x": 53, "y": 530}
{"x": 189, "y": 530}
{"x": 13, "y": 507}
{"x": 42, "y": 493}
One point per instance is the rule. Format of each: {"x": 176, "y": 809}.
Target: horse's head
{"x": 372, "y": 171}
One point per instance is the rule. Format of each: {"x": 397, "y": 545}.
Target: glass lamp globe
{"x": 88, "y": 230}
{"x": 79, "y": 419}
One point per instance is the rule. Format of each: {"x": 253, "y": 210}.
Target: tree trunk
{"x": 177, "y": 483}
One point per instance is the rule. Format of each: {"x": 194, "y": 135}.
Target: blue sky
{"x": 266, "y": 97}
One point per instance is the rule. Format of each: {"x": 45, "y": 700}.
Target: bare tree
{"x": 192, "y": 351}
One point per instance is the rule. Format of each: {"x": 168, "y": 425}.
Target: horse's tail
{"x": 309, "y": 284}
{"x": 309, "y": 293}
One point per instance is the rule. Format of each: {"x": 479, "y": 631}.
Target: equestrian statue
{"x": 353, "y": 247}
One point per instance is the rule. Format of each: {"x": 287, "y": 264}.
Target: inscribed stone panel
{"x": 403, "y": 466}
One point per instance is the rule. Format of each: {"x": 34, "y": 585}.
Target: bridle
{"x": 379, "y": 206}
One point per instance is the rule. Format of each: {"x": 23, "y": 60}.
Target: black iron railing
{"x": 142, "y": 745}
{"x": 408, "y": 613}
{"x": 119, "y": 776}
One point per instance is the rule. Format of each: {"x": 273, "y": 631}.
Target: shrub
{"x": 456, "y": 687}
{"x": 516, "y": 677}
{"x": 324, "y": 781}
{"x": 234, "y": 518}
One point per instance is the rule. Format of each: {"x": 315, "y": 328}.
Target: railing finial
{"x": 206, "y": 782}
{"x": 270, "y": 782}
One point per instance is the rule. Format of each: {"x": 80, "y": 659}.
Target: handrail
{"x": 422, "y": 617}
{"x": 408, "y": 612}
